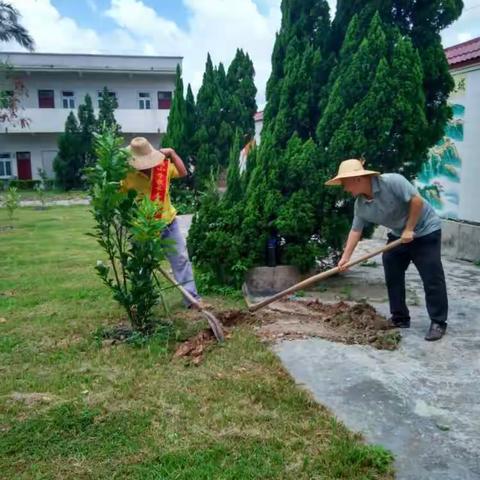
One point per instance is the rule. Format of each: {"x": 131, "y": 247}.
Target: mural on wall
{"x": 439, "y": 180}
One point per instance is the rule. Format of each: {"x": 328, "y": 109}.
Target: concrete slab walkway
{"x": 421, "y": 401}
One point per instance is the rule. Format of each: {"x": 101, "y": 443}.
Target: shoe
{"x": 399, "y": 322}
{"x": 436, "y": 331}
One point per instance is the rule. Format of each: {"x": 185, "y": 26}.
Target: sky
{"x": 187, "y": 28}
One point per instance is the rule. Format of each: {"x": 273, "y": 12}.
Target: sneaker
{"x": 436, "y": 331}
{"x": 399, "y": 322}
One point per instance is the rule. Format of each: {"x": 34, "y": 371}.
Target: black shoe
{"x": 399, "y": 322}
{"x": 436, "y": 331}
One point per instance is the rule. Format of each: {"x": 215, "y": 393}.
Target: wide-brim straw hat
{"x": 144, "y": 156}
{"x": 349, "y": 169}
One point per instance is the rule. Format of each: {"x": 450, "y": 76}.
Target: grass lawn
{"x": 71, "y": 408}
{"x": 50, "y": 195}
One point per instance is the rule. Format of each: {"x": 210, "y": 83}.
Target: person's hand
{"x": 168, "y": 152}
{"x": 407, "y": 236}
{"x": 342, "y": 263}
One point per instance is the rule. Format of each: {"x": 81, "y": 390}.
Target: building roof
{"x": 464, "y": 54}
{"x": 62, "y": 62}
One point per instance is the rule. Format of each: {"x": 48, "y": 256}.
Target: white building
{"x": 449, "y": 178}
{"x": 56, "y": 84}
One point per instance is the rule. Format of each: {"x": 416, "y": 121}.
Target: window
{"x": 144, "y": 101}
{"x": 164, "y": 100}
{"x": 110, "y": 94}
{"x": 5, "y": 165}
{"x": 46, "y": 99}
{"x": 68, "y": 99}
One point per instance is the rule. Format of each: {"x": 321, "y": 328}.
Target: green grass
{"x": 123, "y": 411}
{"x": 50, "y": 195}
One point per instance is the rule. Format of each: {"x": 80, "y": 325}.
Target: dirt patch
{"x": 343, "y": 322}
{"x": 194, "y": 347}
{"x": 31, "y": 399}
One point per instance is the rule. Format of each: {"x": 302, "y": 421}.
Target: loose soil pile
{"x": 342, "y": 322}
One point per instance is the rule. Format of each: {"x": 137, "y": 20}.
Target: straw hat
{"x": 349, "y": 169}
{"x": 144, "y": 156}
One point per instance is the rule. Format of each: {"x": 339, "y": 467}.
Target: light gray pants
{"x": 179, "y": 261}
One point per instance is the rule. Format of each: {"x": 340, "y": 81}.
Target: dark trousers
{"x": 424, "y": 252}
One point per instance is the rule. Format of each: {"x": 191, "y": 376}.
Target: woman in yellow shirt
{"x": 154, "y": 170}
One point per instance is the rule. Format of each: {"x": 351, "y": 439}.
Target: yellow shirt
{"x": 142, "y": 184}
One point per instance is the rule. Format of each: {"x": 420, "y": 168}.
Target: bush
{"x": 25, "y": 184}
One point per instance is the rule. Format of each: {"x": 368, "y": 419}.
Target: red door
{"x": 24, "y": 166}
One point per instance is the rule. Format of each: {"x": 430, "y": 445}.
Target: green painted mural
{"x": 439, "y": 180}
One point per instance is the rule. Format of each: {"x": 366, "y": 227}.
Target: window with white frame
{"x": 5, "y": 164}
{"x": 110, "y": 94}
{"x": 144, "y": 101}
{"x": 68, "y": 99}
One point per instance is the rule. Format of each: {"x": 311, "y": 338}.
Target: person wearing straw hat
{"x": 154, "y": 170}
{"x": 392, "y": 201}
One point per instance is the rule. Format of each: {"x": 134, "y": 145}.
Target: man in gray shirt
{"x": 391, "y": 200}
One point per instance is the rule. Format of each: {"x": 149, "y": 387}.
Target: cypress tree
{"x": 68, "y": 163}
{"x": 175, "y": 135}
{"x": 299, "y": 45}
{"x": 422, "y": 22}
{"x": 106, "y": 118}
{"x": 190, "y": 124}
{"x": 234, "y": 193}
{"x": 87, "y": 124}
{"x": 207, "y": 110}
{"x": 242, "y": 91}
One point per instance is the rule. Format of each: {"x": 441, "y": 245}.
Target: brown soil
{"x": 194, "y": 347}
{"x": 342, "y": 322}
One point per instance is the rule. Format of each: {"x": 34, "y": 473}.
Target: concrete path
{"x": 50, "y": 203}
{"x": 421, "y": 401}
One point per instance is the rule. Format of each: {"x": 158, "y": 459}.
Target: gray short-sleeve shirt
{"x": 390, "y": 207}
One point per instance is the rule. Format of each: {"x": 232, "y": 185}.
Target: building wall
{"x": 126, "y": 86}
{"x": 43, "y": 149}
{"x": 449, "y": 179}
{"x": 45, "y": 124}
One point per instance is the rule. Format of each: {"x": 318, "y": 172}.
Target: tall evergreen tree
{"x": 300, "y": 68}
{"x": 106, "y": 117}
{"x": 190, "y": 123}
{"x": 207, "y": 108}
{"x": 175, "y": 135}
{"x": 87, "y": 125}
{"x": 242, "y": 92}
{"x": 234, "y": 193}
{"x": 422, "y": 22}
{"x": 68, "y": 163}
{"x": 361, "y": 88}
{"x": 226, "y": 128}
{"x": 281, "y": 196}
